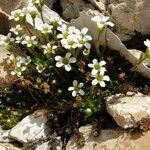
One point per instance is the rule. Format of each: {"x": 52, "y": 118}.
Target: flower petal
{"x": 75, "y": 83}
{"x": 59, "y": 64}
{"x": 102, "y": 83}
{"x": 94, "y": 82}
{"x": 74, "y": 93}
{"x": 72, "y": 60}
{"x": 94, "y": 61}
{"x": 94, "y": 72}
{"x": 106, "y": 78}
{"x": 68, "y": 55}
{"x": 102, "y": 63}
{"x": 81, "y": 92}
{"x": 67, "y": 67}
{"x": 58, "y": 58}
{"x": 71, "y": 88}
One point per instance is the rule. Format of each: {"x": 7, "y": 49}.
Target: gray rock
{"x": 100, "y": 4}
{"x": 8, "y": 146}
{"x": 46, "y": 146}
{"x": 130, "y": 16}
{"x": 110, "y": 140}
{"x": 128, "y": 109}
{"x": 30, "y": 128}
{"x": 70, "y": 8}
{"x": 4, "y": 136}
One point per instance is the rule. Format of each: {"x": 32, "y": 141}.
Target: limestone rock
{"x": 128, "y": 109}
{"x": 111, "y": 140}
{"x": 8, "y": 146}
{"x": 47, "y": 146}
{"x": 100, "y": 4}
{"x": 30, "y": 128}
{"x": 130, "y": 16}
{"x": 4, "y": 136}
{"x": 70, "y": 8}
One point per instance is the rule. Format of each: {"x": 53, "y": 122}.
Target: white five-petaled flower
{"x": 48, "y": 49}
{"x": 70, "y": 42}
{"x": 18, "y": 69}
{"x": 102, "y": 21}
{"x": 25, "y": 60}
{"x": 32, "y": 10}
{"x": 40, "y": 68}
{"x": 65, "y": 31}
{"x": 83, "y": 38}
{"x": 45, "y": 28}
{"x": 5, "y": 40}
{"x": 99, "y": 79}
{"x": 17, "y": 15}
{"x": 55, "y": 21}
{"x": 29, "y": 41}
{"x": 16, "y": 29}
{"x": 65, "y": 62}
{"x": 76, "y": 88}
{"x": 97, "y": 66}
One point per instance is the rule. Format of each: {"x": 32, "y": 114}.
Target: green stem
{"x": 98, "y": 43}
{"x": 41, "y": 13}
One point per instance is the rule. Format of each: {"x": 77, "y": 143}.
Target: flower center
{"x": 65, "y": 61}
{"x": 76, "y": 88}
{"x": 97, "y": 66}
{"x": 99, "y": 78}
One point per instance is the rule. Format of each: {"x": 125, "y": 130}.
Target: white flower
{"x": 5, "y": 40}
{"x": 55, "y": 21}
{"x": 29, "y": 41}
{"x": 18, "y": 70}
{"x": 65, "y": 31}
{"x": 17, "y": 15}
{"x": 19, "y": 39}
{"x": 147, "y": 43}
{"x": 83, "y": 38}
{"x": 76, "y": 88}
{"x": 26, "y": 60}
{"x": 32, "y": 10}
{"x": 97, "y": 67}
{"x": 48, "y": 49}
{"x": 40, "y": 68}
{"x": 102, "y": 21}
{"x": 66, "y": 61}
{"x": 99, "y": 79}
{"x": 45, "y": 28}
{"x": 70, "y": 42}
{"x": 16, "y": 29}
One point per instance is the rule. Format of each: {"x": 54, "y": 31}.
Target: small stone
{"x": 30, "y": 128}
{"x": 128, "y": 109}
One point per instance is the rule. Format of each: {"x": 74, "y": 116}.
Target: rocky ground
{"x": 131, "y": 110}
